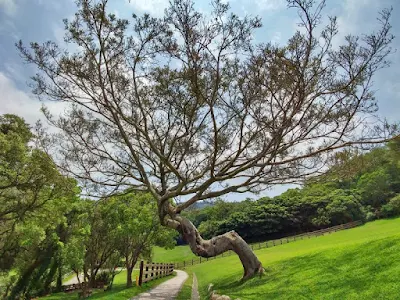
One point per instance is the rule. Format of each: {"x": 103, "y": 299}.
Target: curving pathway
{"x": 167, "y": 290}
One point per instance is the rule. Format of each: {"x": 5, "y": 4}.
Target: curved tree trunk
{"x": 218, "y": 245}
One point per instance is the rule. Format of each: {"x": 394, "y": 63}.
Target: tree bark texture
{"x": 129, "y": 270}
{"x": 220, "y": 244}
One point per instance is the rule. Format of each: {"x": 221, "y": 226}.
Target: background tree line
{"x": 47, "y": 231}
{"x": 358, "y": 186}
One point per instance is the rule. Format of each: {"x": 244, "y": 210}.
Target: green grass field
{"x": 119, "y": 291}
{"x": 359, "y": 263}
{"x": 177, "y": 254}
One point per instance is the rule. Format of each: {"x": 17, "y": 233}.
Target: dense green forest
{"x": 47, "y": 231}
{"x": 359, "y": 185}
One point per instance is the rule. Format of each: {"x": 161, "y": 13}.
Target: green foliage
{"x": 359, "y": 186}
{"x": 130, "y": 225}
{"x": 104, "y": 276}
{"x": 374, "y": 187}
{"x": 34, "y": 202}
{"x": 392, "y": 208}
{"x": 47, "y": 231}
{"x": 114, "y": 232}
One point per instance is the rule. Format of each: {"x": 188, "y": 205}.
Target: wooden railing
{"x": 150, "y": 271}
{"x": 273, "y": 243}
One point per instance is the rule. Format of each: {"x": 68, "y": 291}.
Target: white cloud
{"x": 358, "y": 17}
{"x": 15, "y": 101}
{"x": 58, "y": 33}
{"x": 153, "y": 7}
{"x": 276, "y": 38}
{"x": 15, "y": 71}
{"x": 270, "y": 4}
{"x": 9, "y": 7}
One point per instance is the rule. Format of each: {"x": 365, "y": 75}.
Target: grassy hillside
{"x": 367, "y": 232}
{"x": 360, "y": 263}
{"x": 177, "y": 254}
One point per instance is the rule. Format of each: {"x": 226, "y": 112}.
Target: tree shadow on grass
{"x": 367, "y": 271}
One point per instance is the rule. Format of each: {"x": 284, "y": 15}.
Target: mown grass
{"x": 177, "y": 254}
{"x": 359, "y": 263}
{"x": 119, "y": 291}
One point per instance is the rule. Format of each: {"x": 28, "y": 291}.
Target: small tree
{"x": 135, "y": 228}
{"x": 190, "y": 106}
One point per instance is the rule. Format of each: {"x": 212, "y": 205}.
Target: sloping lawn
{"x": 177, "y": 254}
{"x": 119, "y": 291}
{"x": 359, "y": 263}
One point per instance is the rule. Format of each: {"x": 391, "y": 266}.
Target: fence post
{"x": 281, "y": 241}
{"x": 266, "y": 244}
{"x": 200, "y": 259}
{"x": 141, "y": 273}
{"x": 273, "y": 242}
{"x": 184, "y": 264}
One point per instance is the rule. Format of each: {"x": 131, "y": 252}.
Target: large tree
{"x": 34, "y": 201}
{"x": 30, "y": 186}
{"x": 188, "y": 106}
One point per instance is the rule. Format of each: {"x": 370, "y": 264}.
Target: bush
{"x": 392, "y": 208}
{"x": 103, "y": 277}
{"x": 370, "y": 216}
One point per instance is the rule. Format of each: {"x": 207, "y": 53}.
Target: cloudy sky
{"x": 41, "y": 20}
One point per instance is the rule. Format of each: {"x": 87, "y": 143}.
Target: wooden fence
{"x": 273, "y": 243}
{"x": 150, "y": 271}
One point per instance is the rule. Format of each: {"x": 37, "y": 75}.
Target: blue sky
{"x": 41, "y": 20}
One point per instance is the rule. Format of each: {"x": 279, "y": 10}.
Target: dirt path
{"x": 167, "y": 290}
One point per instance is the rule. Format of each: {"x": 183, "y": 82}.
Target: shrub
{"x": 370, "y": 216}
{"x": 392, "y": 208}
{"x": 103, "y": 277}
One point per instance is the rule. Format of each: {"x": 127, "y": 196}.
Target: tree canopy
{"x": 189, "y": 105}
